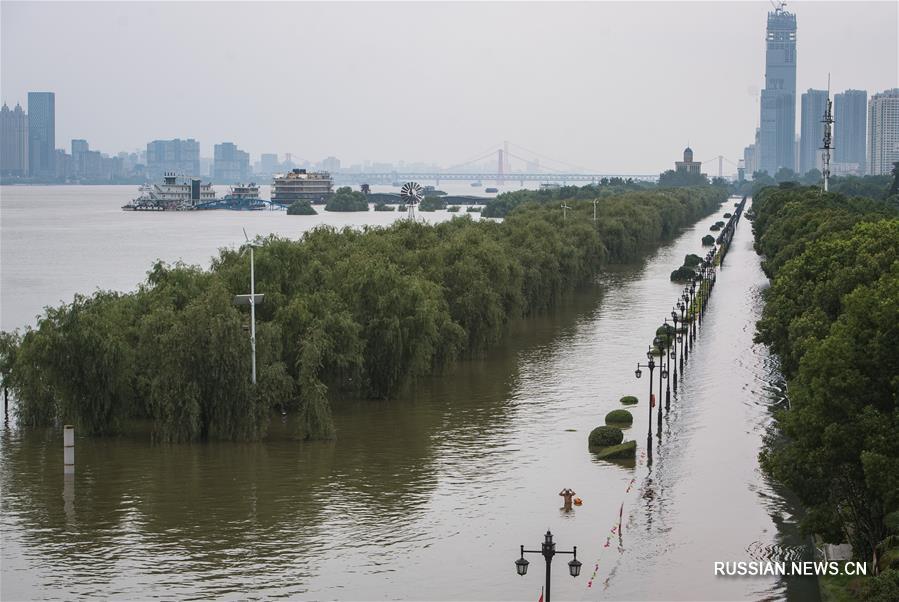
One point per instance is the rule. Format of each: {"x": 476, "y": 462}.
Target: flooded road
{"x": 429, "y": 496}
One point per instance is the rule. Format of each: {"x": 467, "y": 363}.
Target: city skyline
{"x": 483, "y": 92}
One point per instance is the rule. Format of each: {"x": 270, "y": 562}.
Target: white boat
{"x": 175, "y": 193}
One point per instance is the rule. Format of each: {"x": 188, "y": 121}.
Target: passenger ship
{"x": 242, "y": 197}
{"x": 176, "y": 193}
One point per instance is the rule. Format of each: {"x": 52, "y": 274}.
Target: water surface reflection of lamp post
{"x": 638, "y": 373}
{"x": 548, "y": 550}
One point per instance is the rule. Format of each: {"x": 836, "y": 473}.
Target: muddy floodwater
{"x": 428, "y": 496}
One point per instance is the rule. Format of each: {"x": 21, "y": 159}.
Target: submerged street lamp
{"x": 680, "y": 337}
{"x": 663, "y": 375}
{"x": 548, "y": 550}
{"x": 638, "y": 373}
{"x": 677, "y": 337}
{"x": 667, "y": 350}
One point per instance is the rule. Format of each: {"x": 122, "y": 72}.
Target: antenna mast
{"x": 828, "y": 122}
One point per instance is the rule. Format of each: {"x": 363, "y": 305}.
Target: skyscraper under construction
{"x": 777, "y": 135}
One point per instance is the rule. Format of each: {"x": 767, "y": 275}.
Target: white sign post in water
{"x": 68, "y": 454}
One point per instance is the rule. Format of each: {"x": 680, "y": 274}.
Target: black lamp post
{"x": 667, "y": 350}
{"x": 683, "y": 351}
{"x": 692, "y": 311}
{"x": 548, "y": 549}
{"x": 638, "y": 373}
{"x": 676, "y": 336}
{"x": 663, "y": 375}
{"x": 697, "y": 281}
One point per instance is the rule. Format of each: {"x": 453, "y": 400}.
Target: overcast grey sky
{"x": 612, "y": 86}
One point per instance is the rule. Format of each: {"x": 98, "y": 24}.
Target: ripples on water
{"x": 430, "y": 495}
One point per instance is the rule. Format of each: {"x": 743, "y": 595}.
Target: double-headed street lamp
{"x": 682, "y": 306}
{"x": 638, "y": 373}
{"x": 548, "y": 549}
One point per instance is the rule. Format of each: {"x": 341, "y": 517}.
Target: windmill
{"x": 411, "y": 195}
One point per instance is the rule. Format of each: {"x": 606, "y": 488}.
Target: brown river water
{"x": 427, "y": 496}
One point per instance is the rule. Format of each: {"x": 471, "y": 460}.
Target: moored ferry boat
{"x": 175, "y": 193}
{"x": 242, "y": 197}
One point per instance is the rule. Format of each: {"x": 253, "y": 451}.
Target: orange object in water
{"x": 578, "y": 501}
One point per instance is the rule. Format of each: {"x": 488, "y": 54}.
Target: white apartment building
{"x": 883, "y": 132}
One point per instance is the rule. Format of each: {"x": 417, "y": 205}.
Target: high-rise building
{"x": 883, "y": 132}
{"x": 331, "y": 164}
{"x": 79, "y": 145}
{"x": 268, "y": 164}
{"x": 13, "y": 141}
{"x": 850, "y": 122}
{"x": 230, "y": 164}
{"x": 778, "y": 105}
{"x": 811, "y": 129}
{"x": 42, "y": 134}
{"x": 181, "y": 157}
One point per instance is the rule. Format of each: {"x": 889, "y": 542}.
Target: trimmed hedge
{"x": 453, "y": 209}
{"x": 629, "y": 400}
{"x": 603, "y": 436}
{"x": 617, "y": 452}
{"x": 619, "y": 417}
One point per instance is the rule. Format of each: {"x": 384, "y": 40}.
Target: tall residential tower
{"x": 883, "y": 132}
{"x": 778, "y": 106}
{"x": 811, "y": 129}
{"x": 850, "y": 122}
{"x": 13, "y": 141}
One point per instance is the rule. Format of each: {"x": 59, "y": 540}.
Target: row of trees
{"x": 346, "y": 312}
{"x": 875, "y": 187}
{"x": 507, "y": 201}
{"x": 832, "y": 316}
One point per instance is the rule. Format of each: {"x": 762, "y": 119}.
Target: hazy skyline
{"x": 613, "y": 87}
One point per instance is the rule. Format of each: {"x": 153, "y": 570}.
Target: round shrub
{"x": 629, "y": 400}
{"x": 618, "y": 452}
{"x": 726, "y": 215}
{"x": 692, "y": 260}
{"x": 301, "y": 208}
{"x": 619, "y": 417}
{"x": 715, "y": 228}
{"x": 682, "y": 274}
{"x": 708, "y": 240}
{"x": 603, "y": 436}
{"x": 384, "y": 207}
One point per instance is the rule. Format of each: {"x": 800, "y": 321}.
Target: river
{"x": 427, "y": 496}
